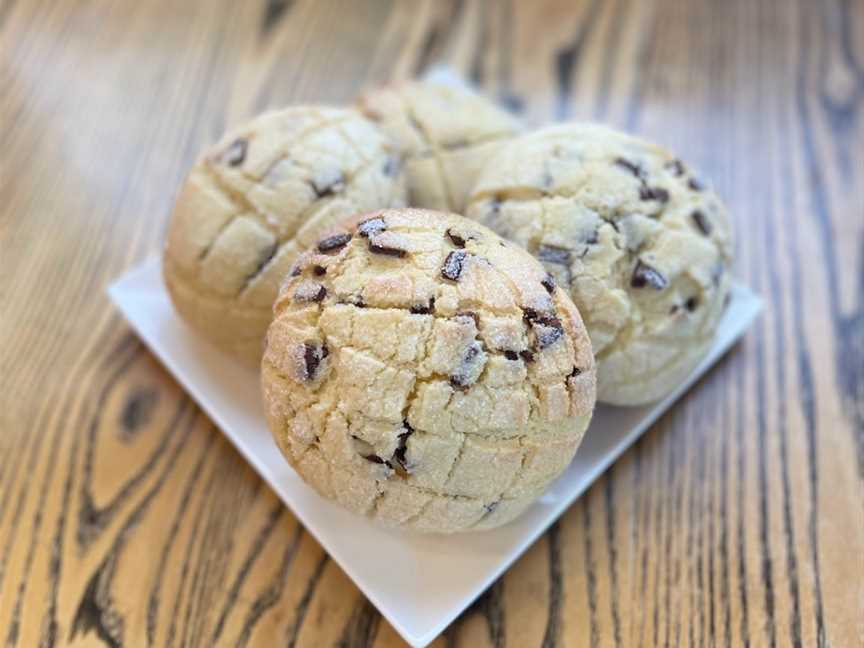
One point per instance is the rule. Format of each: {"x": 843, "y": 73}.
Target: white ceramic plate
{"x": 419, "y": 583}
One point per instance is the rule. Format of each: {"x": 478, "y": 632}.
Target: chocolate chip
{"x": 548, "y": 282}
{"x": 453, "y": 265}
{"x": 633, "y": 167}
{"x": 691, "y": 304}
{"x": 457, "y": 240}
{"x": 645, "y": 275}
{"x": 402, "y": 447}
{"x": 526, "y": 355}
{"x": 309, "y": 291}
{"x": 353, "y": 300}
{"x": 677, "y": 167}
{"x": 554, "y": 254}
{"x": 474, "y": 316}
{"x": 576, "y": 371}
{"x": 548, "y": 330}
{"x": 313, "y": 355}
{"x": 695, "y": 184}
{"x": 319, "y": 271}
{"x": 371, "y": 226}
{"x": 333, "y": 243}
{"x": 421, "y": 309}
{"x": 653, "y": 193}
{"x": 391, "y": 166}
{"x": 328, "y": 184}
{"x": 511, "y": 355}
{"x": 465, "y": 374}
{"x": 377, "y": 248}
{"x": 235, "y": 153}
{"x": 701, "y": 221}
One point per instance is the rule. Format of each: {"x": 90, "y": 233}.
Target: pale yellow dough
{"x": 641, "y": 243}
{"x": 259, "y": 197}
{"x": 423, "y": 372}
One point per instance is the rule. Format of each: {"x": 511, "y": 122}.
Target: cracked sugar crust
{"x": 641, "y": 243}
{"x": 422, "y": 371}
{"x": 258, "y": 198}
{"x": 446, "y": 135}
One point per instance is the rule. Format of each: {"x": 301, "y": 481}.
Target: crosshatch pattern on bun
{"x": 422, "y": 371}
{"x": 258, "y": 198}
{"x": 640, "y": 242}
{"x": 445, "y": 133}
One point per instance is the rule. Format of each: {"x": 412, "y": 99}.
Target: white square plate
{"x": 419, "y": 583}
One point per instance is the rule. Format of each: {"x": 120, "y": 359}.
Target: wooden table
{"x": 127, "y": 519}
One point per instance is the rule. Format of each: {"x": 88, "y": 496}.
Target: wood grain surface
{"x": 126, "y": 519}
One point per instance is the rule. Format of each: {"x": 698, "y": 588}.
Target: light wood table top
{"x": 126, "y": 519}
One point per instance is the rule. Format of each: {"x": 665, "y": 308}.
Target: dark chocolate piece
{"x": 235, "y": 154}
{"x": 313, "y": 355}
{"x": 691, "y": 304}
{"x": 453, "y": 265}
{"x": 474, "y": 316}
{"x": 548, "y": 282}
{"x": 633, "y": 167}
{"x": 526, "y": 355}
{"x": 548, "y": 330}
{"x": 457, "y": 240}
{"x": 554, "y": 254}
{"x": 353, "y": 300}
{"x": 702, "y": 222}
{"x": 377, "y": 248}
{"x": 653, "y": 193}
{"x": 421, "y": 309}
{"x": 576, "y": 371}
{"x": 677, "y": 167}
{"x": 402, "y": 447}
{"x": 462, "y": 378}
{"x": 328, "y": 185}
{"x": 391, "y": 166}
{"x": 310, "y": 292}
{"x": 319, "y": 271}
{"x": 645, "y": 275}
{"x": 371, "y": 226}
{"x": 335, "y": 242}
{"x": 511, "y": 355}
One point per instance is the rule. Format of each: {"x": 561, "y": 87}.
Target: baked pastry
{"x": 446, "y": 135}
{"x": 259, "y": 197}
{"x": 421, "y": 371}
{"x": 640, "y": 242}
